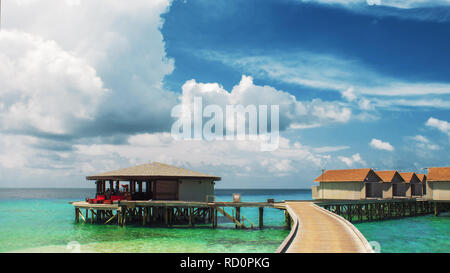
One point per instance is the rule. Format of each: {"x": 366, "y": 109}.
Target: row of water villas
{"x": 369, "y": 195}
{"x": 359, "y": 184}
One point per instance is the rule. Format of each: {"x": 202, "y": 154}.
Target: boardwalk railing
{"x": 315, "y": 229}
{"x": 294, "y": 229}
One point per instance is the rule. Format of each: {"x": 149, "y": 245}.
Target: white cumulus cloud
{"x": 353, "y": 160}
{"x": 380, "y": 145}
{"x": 44, "y": 87}
{"x": 441, "y": 125}
{"x": 293, "y": 113}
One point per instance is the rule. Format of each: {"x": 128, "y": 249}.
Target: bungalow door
{"x": 395, "y": 189}
{"x": 165, "y": 190}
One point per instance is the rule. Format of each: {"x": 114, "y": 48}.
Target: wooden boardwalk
{"x": 315, "y": 229}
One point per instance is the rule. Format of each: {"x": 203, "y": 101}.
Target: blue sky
{"x": 360, "y": 84}
{"x": 401, "y": 47}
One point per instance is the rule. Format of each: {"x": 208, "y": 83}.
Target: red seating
{"x": 102, "y": 199}
{"x": 117, "y": 197}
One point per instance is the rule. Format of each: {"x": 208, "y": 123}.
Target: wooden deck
{"x": 316, "y": 230}
{"x": 170, "y": 212}
{"x": 162, "y": 203}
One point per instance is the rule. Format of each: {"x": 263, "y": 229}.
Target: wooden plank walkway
{"x": 316, "y": 230}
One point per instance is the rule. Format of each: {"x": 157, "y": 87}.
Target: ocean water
{"x": 41, "y": 220}
{"x": 422, "y": 234}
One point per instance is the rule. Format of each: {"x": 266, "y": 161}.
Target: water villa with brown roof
{"x": 158, "y": 193}
{"x": 423, "y": 180}
{"x": 357, "y": 184}
{"x": 348, "y": 184}
{"x": 413, "y": 182}
{"x": 156, "y": 181}
{"x": 394, "y": 184}
{"x": 438, "y": 184}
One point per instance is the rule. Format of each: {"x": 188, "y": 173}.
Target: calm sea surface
{"x": 41, "y": 220}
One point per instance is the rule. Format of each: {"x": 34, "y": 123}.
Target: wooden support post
{"x": 155, "y": 214}
{"x": 166, "y": 216}
{"x": 144, "y": 216}
{"x": 238, "y": 215}
{"x": 77, "y": 215}
{"x": 215, "y": 218}
{"x": 436, "y": 209}
{"x": 191, "y": 220}
{"x": 261, "y": 217}
{"x": 349, "y": 213}
{"x": 210, "y": 215}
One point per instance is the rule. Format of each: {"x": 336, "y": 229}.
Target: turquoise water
{"x": 41, "y": 220}
{"x": 423, "y": 234}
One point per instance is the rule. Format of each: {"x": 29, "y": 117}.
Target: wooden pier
{"x": 316, "y": 230}
{"x": 316, "y": 226}
{"x": 382, "y": 209}
{"x": 168, "y": 213}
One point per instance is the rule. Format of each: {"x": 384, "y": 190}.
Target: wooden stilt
{"x": 191, "y": 220}
{"x": 144, "y": 216}
{"x": 436, "y": 209}
{"x": 215, "y": 218}
{"x": 81, "y": 215}
{"x": 238, "y": 215}
{"x": 166, "y": 216}
{"x": 77, "y": 215}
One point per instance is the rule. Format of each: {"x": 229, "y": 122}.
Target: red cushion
{"x": 116, "y": 197}
{"x": 100, "y": 197}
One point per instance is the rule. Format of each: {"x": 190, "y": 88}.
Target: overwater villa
{"x": 157, "y": 193}
{"x": 394, "y": 184}
{"x": 156, "y": 181}
{"x": 413, "y": 182}
{"x": 358, "y": 184}
{"x": 423, "y": 180}
{"x": 438, "y": 184}
{"x": 348, "y": 184}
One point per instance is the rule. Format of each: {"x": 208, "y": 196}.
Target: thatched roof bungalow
{"x": 348, "y": 184}
{"x": 161, "y": 182}
{"x": 438, "y": 184}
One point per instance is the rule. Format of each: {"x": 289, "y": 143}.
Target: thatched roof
{"x": 149, "y": 171}
{"x": 345, "y": 175}
{"x": 438, "y": 174}
{"x": 387, "y": 176}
